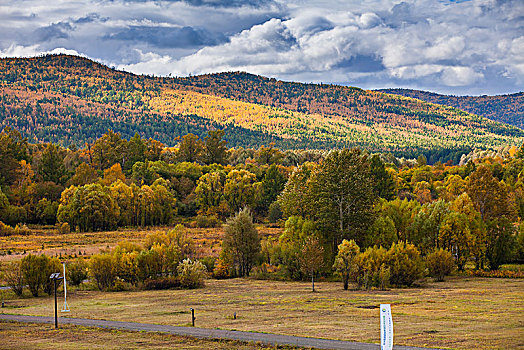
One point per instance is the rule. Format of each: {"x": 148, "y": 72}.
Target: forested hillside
{"x": 72, "y": 100}
{"x": 502, "y": 108}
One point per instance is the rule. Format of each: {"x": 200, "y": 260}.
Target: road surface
{"x": 265, "y": 338}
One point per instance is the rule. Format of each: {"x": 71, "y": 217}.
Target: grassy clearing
{"x": 52, "y": 243}
{"x": 38, "y": 336}
{"x": 461, "y": 313}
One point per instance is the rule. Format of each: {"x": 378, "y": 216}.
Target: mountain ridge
{"x": 506, "y": 108}
{"x": 321, "y": 116}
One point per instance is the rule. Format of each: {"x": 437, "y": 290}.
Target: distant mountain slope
{"x": 71, "y": 99}
{"x": 502, "y": 108}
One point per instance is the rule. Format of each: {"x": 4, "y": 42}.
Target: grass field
{"x": 27, "y": 336}
{"x": 51, "y": 242}
{"x": 461, "y": 313}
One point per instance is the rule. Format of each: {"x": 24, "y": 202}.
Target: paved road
{"x": 273, "y": 339}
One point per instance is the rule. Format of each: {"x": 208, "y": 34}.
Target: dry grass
{"x": 37, "y": 336}
{"x": 461, "y": 313}
{"x": 52, "y": 243}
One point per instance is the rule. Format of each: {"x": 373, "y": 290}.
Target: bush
{"x": 34, "y": 270}
{"x": 204, "y": 221}
{"x": 440, "y": 263}
{"x": 22, "y": 230}
{"x": 101, "y": 269}
{"x": 76, "y": 272}
{"x": 15, "y": 278}
{"x": 222, "y": 269}
{"x": 191, "y": 274}
{"x": 377, "y": 267}
{"x": 496, "y": 273}
{"x": 274, "y": 212}
{"x": 209, "y": 263}
{"x": 265, "y": 271}
{"x": 64, "y": 228}
{"x": 405, "y": 264}
{"x": 368, "y": 265}
{"x": 13, "y": 215}
{"x": 6, "y": 230}
{"x": 53, "y": 265}
{"x": 162, "y": 283}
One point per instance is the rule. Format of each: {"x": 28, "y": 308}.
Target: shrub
{"x": 6, "y": 230}
{"x": 125, "y": 260}
{"x": 13, "y": 215}
{"x": 405, "y": 264}
{"x": 204, "y": 221}
{"x": 274, "y": 212}
{"x": 101, "y": 269}
{"x": 368, "y": 265}
{"x": 148, "y": 264}
{"x": 76, "y": 272}
{"x": 34, "y": 269}
{"x": 191, "y": 274}
{"x": 265, "y": 271}
{"x": 22, "y": 230}
{"x": 209, "y": 263}
{"x": 163, "y": 252}
{"x": 64, "y": 228}
{"x": 401, "y": 265}
{"x": 53, "y": 265}
{"x": 162, "y": 283}
{"x": 440, "y": 263}
{"x": 496, "y": 273}
{"x": 15, "y": 278}
{"x": 222, "y": 269}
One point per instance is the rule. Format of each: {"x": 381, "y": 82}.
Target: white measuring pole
{"x": 386, "y": 327}
{"x": 66, "y": 309}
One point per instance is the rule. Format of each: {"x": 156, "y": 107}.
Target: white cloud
{"x": 460, "y": 76}
{"x": 472, "y": 46}
{"x": 20, "y": 51}
{"x": 150, "y": 63}
{"x": 34, "y": 50}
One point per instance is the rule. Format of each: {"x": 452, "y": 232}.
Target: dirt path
{"x": 273, "y": 339}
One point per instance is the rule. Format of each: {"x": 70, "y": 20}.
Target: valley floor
{"x": 461, "y": 313}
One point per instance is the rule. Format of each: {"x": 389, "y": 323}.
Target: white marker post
{"x": 66, "y": 308}
{"x": 386, "y": 327}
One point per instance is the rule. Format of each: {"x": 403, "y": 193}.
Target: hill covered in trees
{"x": 502, "y": 108}
{"x": 73, "y": 100}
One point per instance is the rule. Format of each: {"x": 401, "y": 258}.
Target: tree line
{"x": 385, "y": 208}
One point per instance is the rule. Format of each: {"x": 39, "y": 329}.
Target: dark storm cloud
{"x": 361, "y": 64}
{"x": 169, "y": 37}
{"x": 59, "y": 30}
{"x": 213, "y": 3}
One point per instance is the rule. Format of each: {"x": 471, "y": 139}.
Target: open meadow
{"x": 50, "y": 242}
{"x": 460, "y": 313}
{"x": 27, "y": 336}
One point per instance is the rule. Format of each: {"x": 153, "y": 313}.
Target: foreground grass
{"x": 38, "y": 336}
{"x": 461, "y": 313}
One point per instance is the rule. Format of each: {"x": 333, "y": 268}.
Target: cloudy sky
{"x": 454, "y": 47}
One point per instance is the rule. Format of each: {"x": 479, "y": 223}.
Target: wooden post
{"x": 193, "y": 317}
